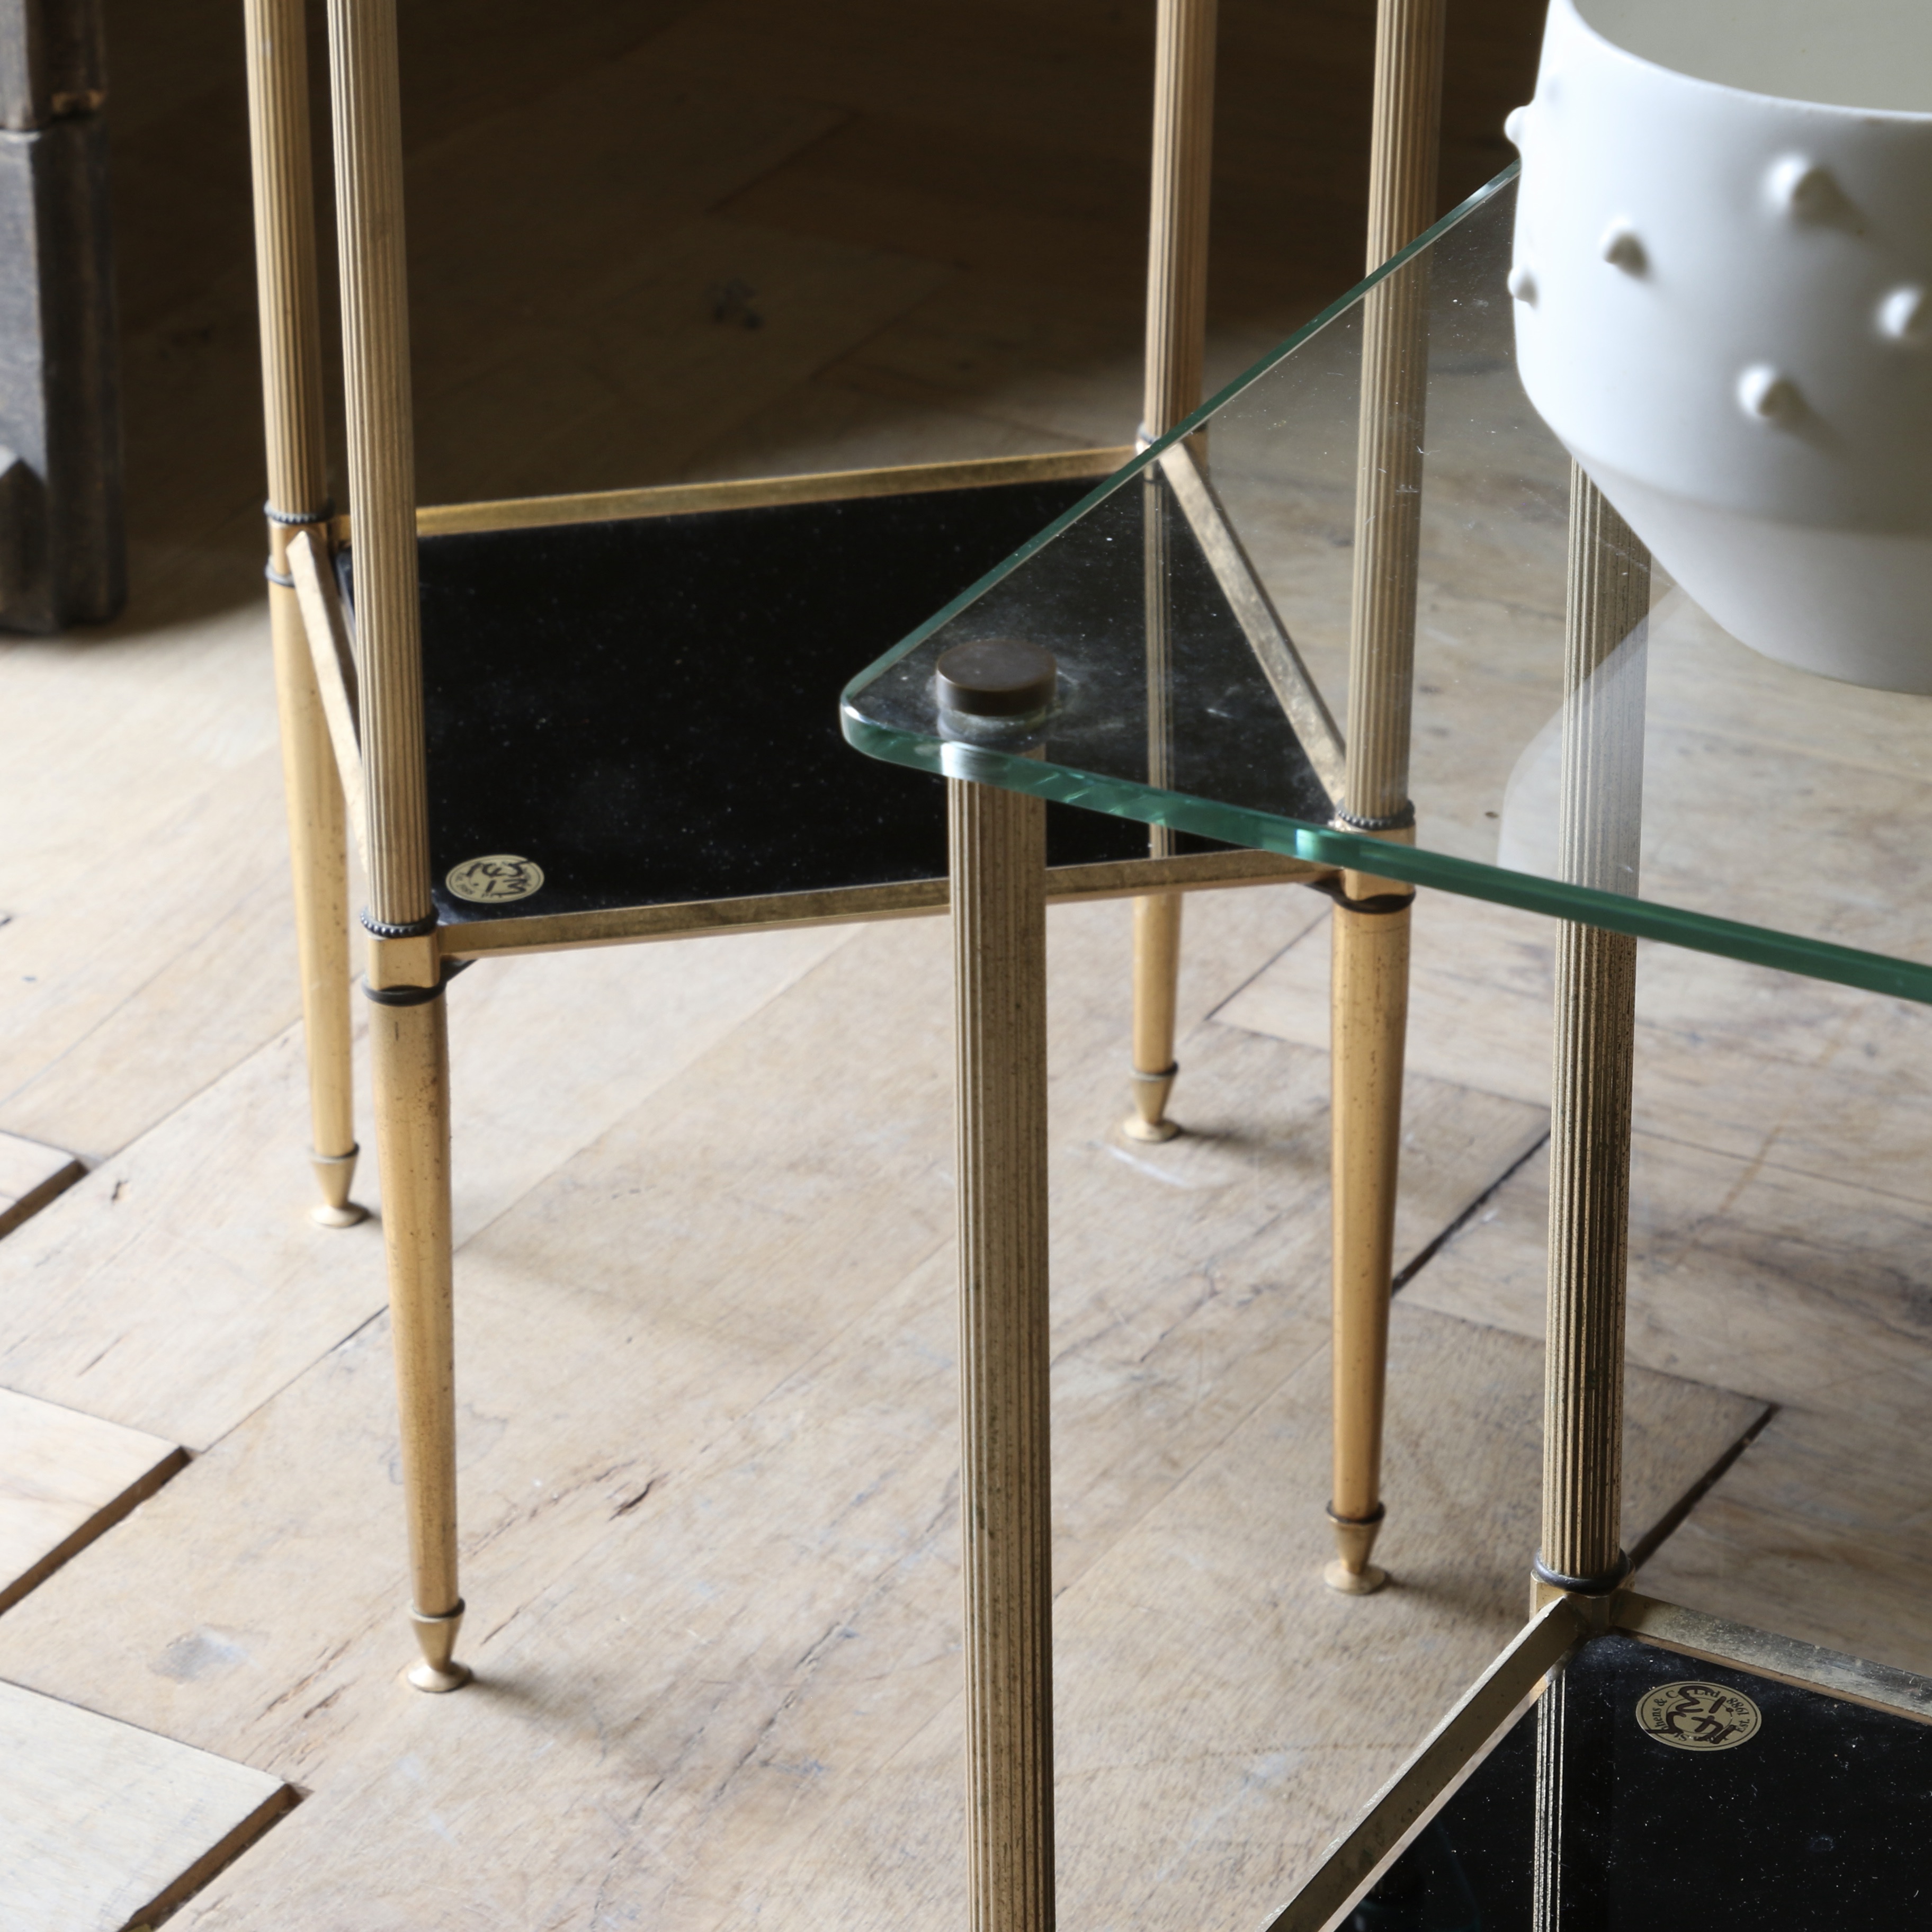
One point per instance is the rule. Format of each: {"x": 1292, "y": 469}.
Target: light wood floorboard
{"x": 65, "y": 1478}
{"x": 708, "y": 1431}
{"x": 102, "y": 1825}
{"x": 31, "y": 1175}
{"x": 703, "y": 1190}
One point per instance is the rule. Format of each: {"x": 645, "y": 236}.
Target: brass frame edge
{"x": 1785, "y": 1660}
{"x": 673, "y": 500}
{"x": 332, "y": 651}
{"x": 1281, "y": 663}
{"x": 1407, "y": 1802}
{"x": 913, "y": 898}
{"x": 1404, "y": 1805}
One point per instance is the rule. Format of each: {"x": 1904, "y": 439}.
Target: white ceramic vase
{"x": 1722, "y": 285}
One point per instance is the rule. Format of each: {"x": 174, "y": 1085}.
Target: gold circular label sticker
{"x": 499, "y": 877}
{"x": 1698, "y": 1717}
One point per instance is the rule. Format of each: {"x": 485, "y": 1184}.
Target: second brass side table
{"x": 1623, "y": 1759}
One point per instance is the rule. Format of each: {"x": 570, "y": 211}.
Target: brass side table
{"x": 1174, "y": 650}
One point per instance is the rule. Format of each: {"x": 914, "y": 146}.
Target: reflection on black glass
{"x": 1425, "y": 1891}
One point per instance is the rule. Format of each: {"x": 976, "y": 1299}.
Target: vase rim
{"x": 1907, "y": 117}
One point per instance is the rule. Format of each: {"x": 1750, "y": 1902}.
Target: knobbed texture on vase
{"x": 1723, "y": 259}
{"x": 382, "y": 453}
{"x": 1596, "y": 993}
{"x": 998, "y": 858}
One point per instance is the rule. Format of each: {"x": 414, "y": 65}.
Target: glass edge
{"x": 1108, "y": 485}
{"x": 1468, "y": 878}
{"x": 980, "y": 585}
{"x": 1282, "y": 350}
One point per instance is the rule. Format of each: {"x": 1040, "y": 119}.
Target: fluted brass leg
{"x": 1369, "y": 996}
{"x": 410, "y": 1050}
{"x": 1176, "y": 331}
{"x": 999, "y": 928}
{"x": 285, "y": 267}
{"x": 1156, "y": 973}
{"x": 409, "y": 1039}
{"x": 319, "y": 867}
{"x": 1369, "y": 1001}
{"x": 1599, "y": 832}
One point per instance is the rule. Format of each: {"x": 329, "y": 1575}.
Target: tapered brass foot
{"x": 438, "y": 1670}
{"x": 1351, "y": 1573}
{"x": 1362, "y": 1582}
{"x": 333, "y": 1172}
{"x": 1149, "y": 1120}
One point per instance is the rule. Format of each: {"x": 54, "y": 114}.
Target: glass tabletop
{"x": 1198, "y": 607}
{"x": 1660, "y": 1789}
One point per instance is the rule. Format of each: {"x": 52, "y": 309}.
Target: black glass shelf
{"x": 647, "y": 707}
{"x": 1691, "y": 1793}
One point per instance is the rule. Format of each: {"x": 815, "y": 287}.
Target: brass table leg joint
{"x": 1593, "y": 1597}
{"x": 1336, "y": 888}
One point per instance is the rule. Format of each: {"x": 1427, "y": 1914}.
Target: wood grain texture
{"x": 706, "y": 1761}
{"x": 31, "y": 1175}
{"x": 1737, "y": 1059}
{"x": 180, "y": 1285}
{"x": 102, "y": 1825}
{"x": 99, "y": 1039}
{"x": 65, "y": 1477}
{"x": 1806, "y": 1290}
{"x": 709, "y": 1374}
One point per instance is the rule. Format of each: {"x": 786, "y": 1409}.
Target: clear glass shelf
{"x": 1778, "y": 806}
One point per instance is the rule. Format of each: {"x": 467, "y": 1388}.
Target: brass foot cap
{"x": 428, "y": 1677}
{"x": 346, "y": 1216}
{"x": 1135, "y": 1129}
{"x": 1362, "y": 1582}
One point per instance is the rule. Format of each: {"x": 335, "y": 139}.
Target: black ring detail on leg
{"x": 401, "y": 996}
{"x": 298, "y": 519}
{"x": 416, "y": 996}
{"x": 1394, "y": 821}
{"x": 1333, "y": 888}
{"x": 1358, "y": 1522}
{"x": 416, "y": 928}
{"x": 1584, "y": 1586}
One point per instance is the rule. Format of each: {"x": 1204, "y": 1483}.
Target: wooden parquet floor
{"x": 703, "y": 1190}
